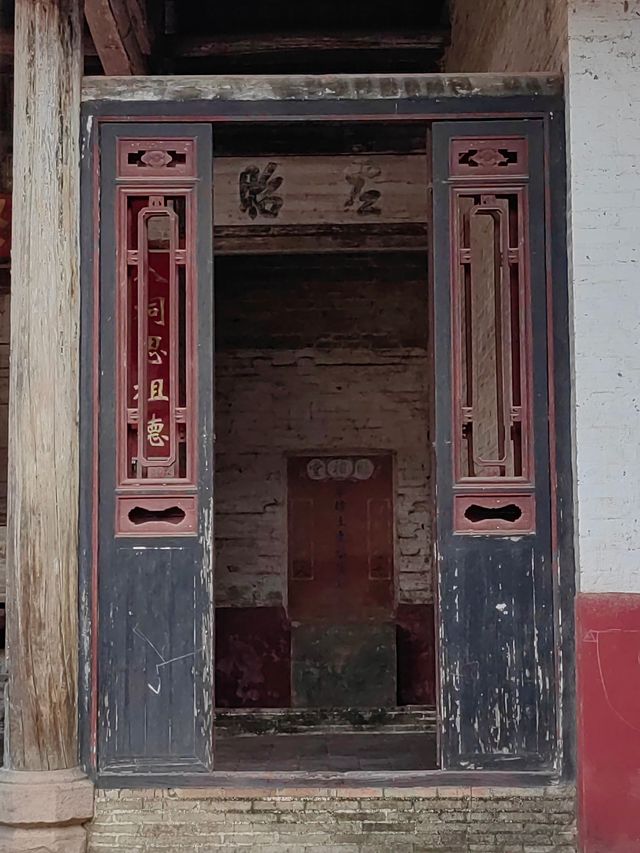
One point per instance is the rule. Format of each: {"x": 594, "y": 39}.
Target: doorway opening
{"x": 324, "y": 491}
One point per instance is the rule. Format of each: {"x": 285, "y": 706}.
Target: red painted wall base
{"x": 608, "y": 648}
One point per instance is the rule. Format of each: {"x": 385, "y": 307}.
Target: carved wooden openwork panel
{"x": 166, "y": 158}
{"x": 156, "y": 338}
{"x": 479, "y": 158}
{"x": 491, "y": 327}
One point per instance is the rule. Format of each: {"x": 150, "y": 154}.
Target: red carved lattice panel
{"x": 491, "y": 330}
{"x": 156, "y": 390}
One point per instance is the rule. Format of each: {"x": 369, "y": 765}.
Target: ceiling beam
{"x": 121, "y": 35}
{"x": 222, "y": 46}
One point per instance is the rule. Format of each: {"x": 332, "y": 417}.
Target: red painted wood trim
{"x": 608, "y": 650}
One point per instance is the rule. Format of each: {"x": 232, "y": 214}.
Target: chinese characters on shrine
{"x": 258, "y": 191}
{"x": 366, "y": 191}
{"x": 364, "y": 199}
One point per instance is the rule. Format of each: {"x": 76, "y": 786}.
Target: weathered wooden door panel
{"x": 155, "y": 629}
{"x": 494, "y": 541}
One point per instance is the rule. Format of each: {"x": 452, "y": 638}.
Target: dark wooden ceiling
{"x": 273, "y": 37}
{"x": 211, "y": 16}
{"x": 326, "y": 36}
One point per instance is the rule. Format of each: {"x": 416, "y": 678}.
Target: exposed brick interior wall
{"x": 317, "y": 353}
{"x": 315, "y": 820}
{"x": 517, "y": 36}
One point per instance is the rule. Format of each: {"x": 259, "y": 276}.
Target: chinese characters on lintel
{"x": 258, "y": 190}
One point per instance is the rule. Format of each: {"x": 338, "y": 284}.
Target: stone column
{"x": 44, "y": 798}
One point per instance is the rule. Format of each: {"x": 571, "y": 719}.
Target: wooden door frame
{"x": 419, "y": 98}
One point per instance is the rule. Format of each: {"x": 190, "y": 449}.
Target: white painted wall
{"x": 603, "y": 90}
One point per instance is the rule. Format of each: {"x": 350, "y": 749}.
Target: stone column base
{"x": 44, "y": 812}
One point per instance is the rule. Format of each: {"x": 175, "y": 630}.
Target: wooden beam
{"x": 43, "y": 481}
{"x": 141, "y": 25}
{"x": 233, "y": 46}
{"x": 120, "y": 34}
{"x": 304, "y": 87}
{"x": 6, "y": 44}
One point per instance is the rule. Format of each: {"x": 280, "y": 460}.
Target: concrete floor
{"x": 333, "y": 752}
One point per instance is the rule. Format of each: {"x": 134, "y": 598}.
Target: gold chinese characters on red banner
{"x": 156, "y": 403}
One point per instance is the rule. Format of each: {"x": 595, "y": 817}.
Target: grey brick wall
{"x": 346, "y": 820}
{"x": 318, "y": 354}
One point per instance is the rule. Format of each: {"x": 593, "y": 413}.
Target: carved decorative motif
{"x": 138, "y": 158}
{"x": 488, "y": 158}
{"x": 154, "y": 159}
{"x": 484, "y": 157}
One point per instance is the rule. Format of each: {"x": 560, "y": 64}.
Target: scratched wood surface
{"x": 42, "y": 578}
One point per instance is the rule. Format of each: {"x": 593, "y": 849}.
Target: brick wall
{"x": 515, "y": 36}
{"x": 338, "y": 364}
{"x": 398, "y": 820}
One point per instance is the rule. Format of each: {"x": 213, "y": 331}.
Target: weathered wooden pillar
{"x": 44, "y": 799}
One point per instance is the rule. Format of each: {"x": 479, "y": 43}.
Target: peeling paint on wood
{"x": 312, "y": 88}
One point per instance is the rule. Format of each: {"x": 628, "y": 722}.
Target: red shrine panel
{"x": 491, "y": 331}
{"x": 156, "y": 337}
{"x": 341, "y": 537}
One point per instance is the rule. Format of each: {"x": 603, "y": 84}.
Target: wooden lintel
{"x": 307, "y": 87}
{"x": 239, "y": 46}
{"x": 120, "y": 34}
